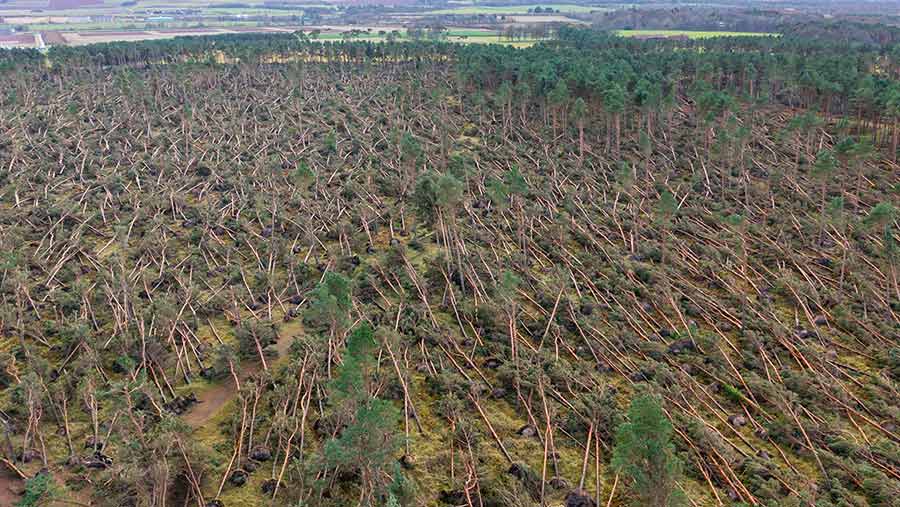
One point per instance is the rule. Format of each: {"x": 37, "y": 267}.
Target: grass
{"x": 516, "y": 9}
{"x": 690, "y": 33}
{"x": 471, "y": 33}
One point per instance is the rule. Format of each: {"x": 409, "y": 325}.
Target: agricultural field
{"x": 322, "y": 34}
{"x": 17, "y": 41}
{"x": 517, "y": 9}
{"x": 255, "y": 270}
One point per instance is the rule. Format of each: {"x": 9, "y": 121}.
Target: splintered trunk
{"x": 822, "y": 214}
{"x": 893, "y": 266}
{"x": 553, "y": 116}
{"x": 618, "y": 124}
{"x": 65, "y": 416}
{"x": 445, "y": 143}
{"x": 511, "y": 322}
{"x": 580, "y": 140}
{"x": 895, "y": 135}
{"x": 608, "y": 135}
{"x": 262, "y": 357}
{"x": 859, "y": 179}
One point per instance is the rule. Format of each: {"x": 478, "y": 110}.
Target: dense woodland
{"x": 852, "y": 27}
{"x": 260, "y": 270}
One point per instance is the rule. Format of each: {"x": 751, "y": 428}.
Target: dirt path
{"x": 211, "y": 401}
{"x": 9, "y": 486}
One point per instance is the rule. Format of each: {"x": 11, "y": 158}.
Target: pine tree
{"x": 331, "y": 301}
{"x": 614, "y": 103}
{"x": 330, "y": 308}
{"x": 303, "y": 176}
{"x": 558, "y": 98}
{"x": 368, "y": 442}
{"x": 579, "y": 113}
{"x": 645, "y": 454}
{"x": 40, "y": 490}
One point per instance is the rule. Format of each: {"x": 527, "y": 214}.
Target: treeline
{"x": 620, "y": 79}
{"x": 845, "y": 29}
{"x": 642, "y": 82}
{"x": 698, "y": 18}
{"x": 247, "y": 47}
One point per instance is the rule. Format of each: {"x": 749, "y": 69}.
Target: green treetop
{"x": 645, "y": 454}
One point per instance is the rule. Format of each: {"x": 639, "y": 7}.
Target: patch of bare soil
{"x": 10, "y": 487}
{"x": 53, "y": 38}
{"x": 210, "y": 401}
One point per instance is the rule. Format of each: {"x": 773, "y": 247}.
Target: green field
{"x": 691, "y": 34}
{"x": 516, "y": 9}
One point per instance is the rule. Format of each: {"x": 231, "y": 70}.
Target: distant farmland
{"x": 519, "y": 9}
{"x": 83, "y": 37}
{"x": 691, "y": 34}
{"x": 23, "y": 40}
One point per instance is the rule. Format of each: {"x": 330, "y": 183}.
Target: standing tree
{"x": 503, "y": 99}
{"x": 644, "y": 453}
{"x": 436, "y": 199}
{"x": 558, "y": 98}
{"x": 892, "y": 111}
{"x": 579, "y": 113}
{"x": 614, "y": 103}
{"x": 523, "y": 92}
{"x": 367, "y": 443}
{"x": 331, "y": 307}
